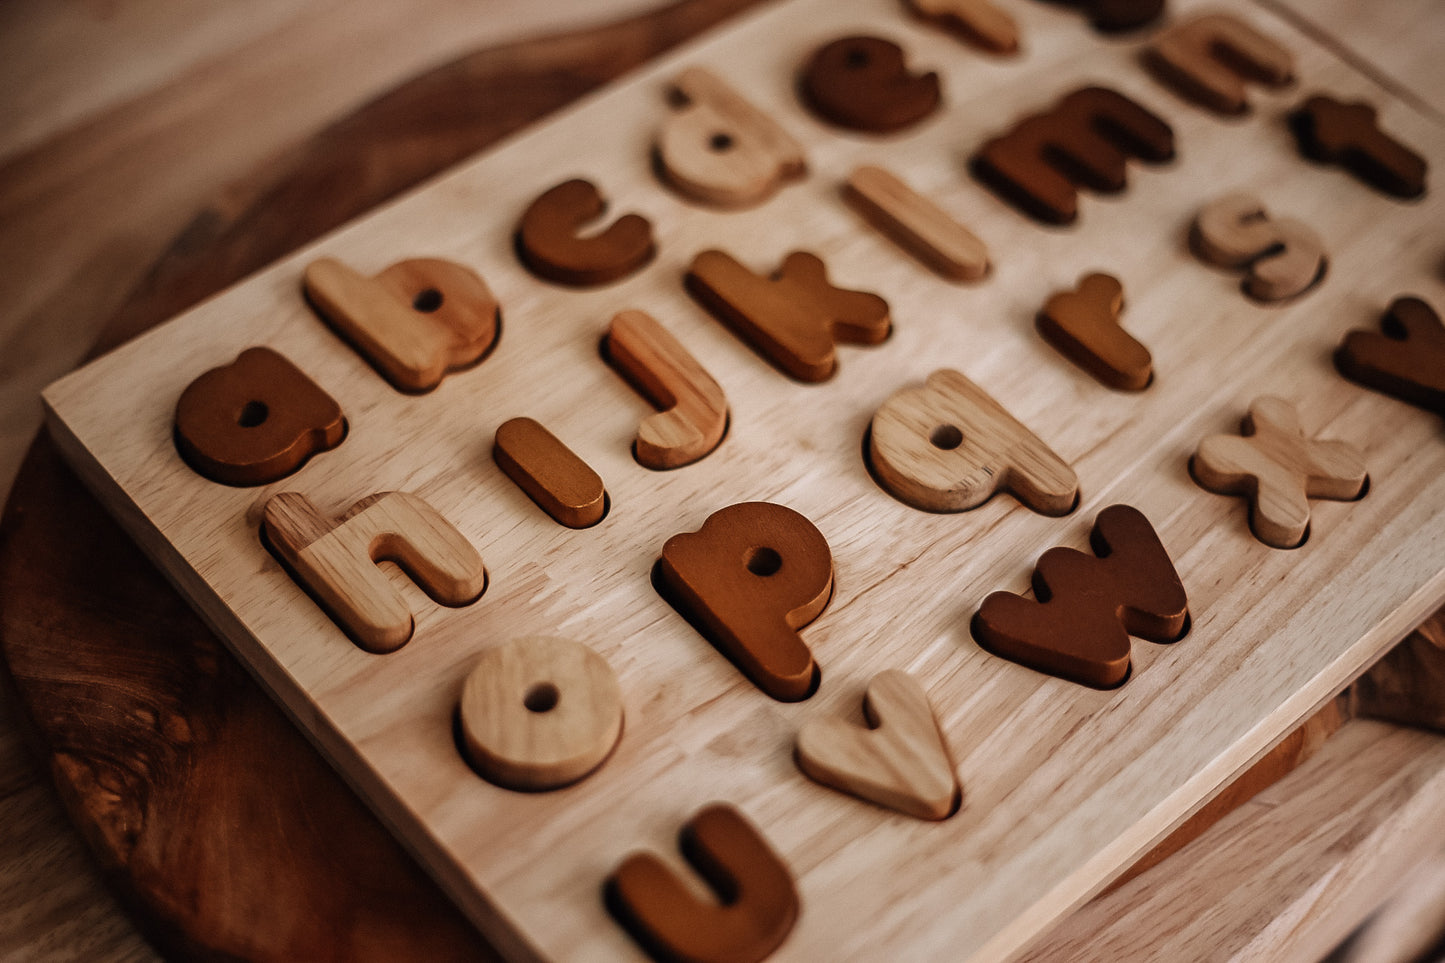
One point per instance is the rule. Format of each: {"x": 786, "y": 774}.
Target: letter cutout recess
{"x": 1114, "y": 16}
{"x": 1334, "y": 132}
{"x": 916, "y": 224}
{"x": 948, "y": 446}
{"x": 1281, "y": 256}
{"x": 754, "y": 910}
{"x": 1083, "y": 140}
{"x": 335, "y": 560}
{"x": 692, "y": 413}
{"x": 561, "y": 484}
{"x": 862, "y": 83}
{"x": 748, "y": 580}
{"x": 977, "y": 22}
{"x": 901, "y": 761}
{"x": 1207, "y": 59}
{"x": 255, "y": 421}
{"x": 719, "y": 149}
{"x": 793, "y": 318}
{"x": 550, "y": 243}
{"x": 540, "y": 713}
{"x": 413, "y": 322}
{"x": 1083, "y": 325}
{"x": 1405, "y": 358}
{"x": 1273, "y": 464}
{"x": 1078, "y": 625}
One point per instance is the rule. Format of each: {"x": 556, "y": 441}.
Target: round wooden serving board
{"x": 222, "y": 829}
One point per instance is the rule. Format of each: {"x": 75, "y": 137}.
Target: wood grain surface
{"x": 79, "y": 63}
{"x": 1400, "y": 604}
{"x": 123, "y": 119}
{"x": 1381, "y": 46}
{"x": 158, "y": 689}
{"x": 1366, "y": 803}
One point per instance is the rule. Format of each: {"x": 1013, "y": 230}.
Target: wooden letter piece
{"x": 1084, "y": 326}
{"x": 1277, "y": 468}
{"x": 1284, "y": 258}
{"x": 335, "y": 560}
{"x": 977, "y": 22}
{"x": 756, "y": 905}
{"x": 948, "y": 446}
{"x": 1334, "y": 132}
{"x": 549, "y": 244}
{"x": 900, "y": 762}
{"x": 1084, "y": 140}
{"x": 1116, "y": 16}
{"x": 916, "y": 224}
{"x": 255, "y": 421}
{"x": 1407, "y": 360}
{"x": 863, "y": 83}
{"x": 413, "y": 322}
{"x": 692, "y": 409}
{"x": 1078, "y": 625}
{"x": 561, "y": 484}
{"x": 1207, "y": 59}
{"x": 721, "y": 150}
{"x": 540, "y": 713}
{"x": 748, "y": 580}
{"x": 792, "y": 319}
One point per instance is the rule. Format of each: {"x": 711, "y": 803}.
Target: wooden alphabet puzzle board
{"x": 1063, "y": 784}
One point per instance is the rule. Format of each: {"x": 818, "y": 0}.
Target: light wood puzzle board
{"x": 1063, "y": 784}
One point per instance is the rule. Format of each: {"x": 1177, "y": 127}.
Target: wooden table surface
{"x": 119, "y": 118}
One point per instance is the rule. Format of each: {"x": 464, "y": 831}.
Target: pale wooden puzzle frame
{"x": 1063, "y": 785}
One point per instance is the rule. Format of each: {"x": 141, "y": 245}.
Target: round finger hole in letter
{"x": 763, "y": 561}
{"x": 427, "y": 301}
{"x": 946, "y": 437}
{"x": 540, "y": 713}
